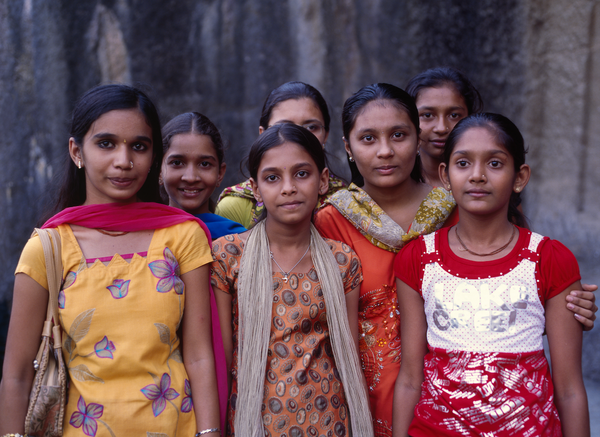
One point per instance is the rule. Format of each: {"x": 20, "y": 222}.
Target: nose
{"x": 190, "y": 174}
{"x": 123, "y": 157}
{"x": 385, "y": 149}
{"x": 288, "y": 186}
{"x": 442, "y": 126}
{"x": 478, "y": 173}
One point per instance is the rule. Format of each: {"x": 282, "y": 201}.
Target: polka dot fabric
{"x": 303, "y": 393}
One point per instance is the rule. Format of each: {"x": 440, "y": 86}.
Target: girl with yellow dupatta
{"x": 288, "y": 304}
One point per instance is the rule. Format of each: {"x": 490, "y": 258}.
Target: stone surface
{"x": 535, "y": 61}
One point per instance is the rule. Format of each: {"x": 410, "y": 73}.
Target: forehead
{"x": 121, "y": 122}
{"x": 285, "y": 156}
{"x": 296, "y": 110}
{"x": 192, "y": 144}
{"x": 444, "y": 96}
{"x": 479, "y": 138}
{"x": 381, "y": 114}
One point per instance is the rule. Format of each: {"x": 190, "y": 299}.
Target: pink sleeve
{"x": 407, "y": 264}
{"x": 558, "y": 268}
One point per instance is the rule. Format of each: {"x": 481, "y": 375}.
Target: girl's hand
{"x": 582, "y": 303}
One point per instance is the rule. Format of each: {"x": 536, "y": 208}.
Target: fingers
{"x": 581, "y": 303}
{"x": 590, "y": 287}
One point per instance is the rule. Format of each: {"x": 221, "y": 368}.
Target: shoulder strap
{"x": 51, "y": 244}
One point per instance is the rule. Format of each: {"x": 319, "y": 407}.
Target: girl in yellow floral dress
{"x": 138, "y": 363}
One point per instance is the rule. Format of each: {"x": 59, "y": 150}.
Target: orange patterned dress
{"x": 303, "y": 392}
{"x": 353, "y": 217}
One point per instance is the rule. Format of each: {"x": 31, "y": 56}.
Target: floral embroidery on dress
{"x": 379, "y": 228}
{"x": 104, "y": 348}
{"x": 88, "y": 416}
{"x": 78, "y": 330}
{"x": 244, "y": 190}
{"x": 119, "y": 288}
{"x": 168, "y": 272}
{"x": 69, "y": 280}
{"x": 160, "y": 394}
{"x": 187, "y": 404}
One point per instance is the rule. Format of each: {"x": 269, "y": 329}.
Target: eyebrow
{"x": 294, "y": 167}
{"x": 396, "y": 127}
{"x": 110, "y": 135}
{"x": 433, "y": 108}
{"x": 180, "y": 156}
{"x": 491, "y": 152}
{"x": 311, "y": 120}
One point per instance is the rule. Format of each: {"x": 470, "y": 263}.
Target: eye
{"x": 495, "y": 164}
{"x": 175, "y": 163}
{"x": 205, "y": 164}
{"x": 139, "y": 147}
{"x": 271, "y": 178}
{"x": 462, "y": 163}
{"x": 302, "y": 174}
{"x": 367, "y": 138}
{"x": 456, "y": 116}
{"x": 398, "y": 135}
{"x": 105, "y": 144}
{"x": 426, "y": 115}
{"x": 311, "y": 127}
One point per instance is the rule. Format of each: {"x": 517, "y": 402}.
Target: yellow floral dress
{"x": 120, "y": 340}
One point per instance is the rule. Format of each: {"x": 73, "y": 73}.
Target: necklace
{"x": 112, "y": 233}
{"x": 494, "y": 252}
{"x": 286, "y": 274}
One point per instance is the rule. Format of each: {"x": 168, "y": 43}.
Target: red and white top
{"x": 486, "y": 373}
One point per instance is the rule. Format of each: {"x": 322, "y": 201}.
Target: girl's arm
{"x": 582, "y": 302}
{"x": 30, "y": 302}
{"x": 565, "y": 338}
{"x": 198, "y": 355}
{"x": 413, "y": 330}
{"x": 352, "y": 308}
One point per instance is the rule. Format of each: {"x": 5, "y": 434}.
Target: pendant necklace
{"x": 286, "y": 274}
{"x": 112, "y": 233}
{"x": 494, "y": 252}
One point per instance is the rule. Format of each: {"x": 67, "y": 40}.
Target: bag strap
{"x": 51, "y": 243}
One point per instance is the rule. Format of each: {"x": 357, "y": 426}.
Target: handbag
{"x": 46, "y": 409}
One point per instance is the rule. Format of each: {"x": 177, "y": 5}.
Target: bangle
{"x": 14, "y": 435}
{"x": 207, "y": 431}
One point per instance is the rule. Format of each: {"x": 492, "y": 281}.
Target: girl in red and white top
{"x": 475, "y": 300}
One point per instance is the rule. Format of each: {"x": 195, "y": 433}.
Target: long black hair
{"x": 440, "y": 76}
{"x": 355, "y": 104}
{"x": 91, "y": 106}
{"x": 293, "y": 91}
{"x": 507, "y": 134}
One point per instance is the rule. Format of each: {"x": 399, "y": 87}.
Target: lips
{"x": 386, "y": 169}
{"x": 290, "y": 205}
{"x": 439, "y": 143}
{"x": 121, "y": 182}
{"x": 188, "y": 191}
{"x": 478, "y": 193}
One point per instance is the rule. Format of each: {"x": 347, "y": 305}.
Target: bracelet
{"x": 207, "y": 431}
{"x": 14, "y": 435}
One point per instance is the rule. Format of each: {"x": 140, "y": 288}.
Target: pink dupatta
{"x": 142, "y": 216}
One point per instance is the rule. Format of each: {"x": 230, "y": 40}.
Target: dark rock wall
{"x": 222, "y": 57}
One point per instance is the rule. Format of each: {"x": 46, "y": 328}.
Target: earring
{"x": 518, "y": 189}
{"x": 130, "y": 164}
{"x": 351, "y": 159}
{"x": 79, "y": 164}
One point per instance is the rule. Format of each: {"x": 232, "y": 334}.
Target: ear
{"x": 347, "y": 147}
{"x": 444, "y": 177}
{"x": 221, "y": 173}
{"x": 324, "y": 182}
{"x": 260, "y": 130}
{"x": 522, "y": 178}
{"x": 160, "y": 179}
{"x": 75, "y": 152}
{"x": 255, "y": 190}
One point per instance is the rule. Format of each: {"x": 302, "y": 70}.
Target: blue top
{"x": 219, "y": 226}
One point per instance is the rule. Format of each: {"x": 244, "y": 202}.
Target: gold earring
{"x": 518, "y": 189}
{"x": 351, "y": 159}
{"x": 79, "y": 164}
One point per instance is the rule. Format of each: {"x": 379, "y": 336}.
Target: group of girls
{"x": 306, "y": 317}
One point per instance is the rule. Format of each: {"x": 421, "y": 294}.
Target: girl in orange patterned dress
{"x": 288, "y": 303}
